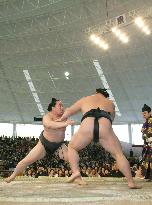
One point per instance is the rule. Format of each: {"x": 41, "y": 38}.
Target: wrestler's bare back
{"x": 95, "y": 101}
{"x": 52, "y": 135}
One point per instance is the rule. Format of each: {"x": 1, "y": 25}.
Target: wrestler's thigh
{"x": 63, "y": 152}
{"x": 80, "y": 141}
{"x": 111, "y": 144}
{"x": 108, "y": 139}
{"x": 37, "y": 153}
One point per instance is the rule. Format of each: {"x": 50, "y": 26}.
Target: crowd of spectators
{"x": 94, "y": 160}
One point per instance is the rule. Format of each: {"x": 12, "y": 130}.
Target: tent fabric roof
{"x": 49, "y": 37}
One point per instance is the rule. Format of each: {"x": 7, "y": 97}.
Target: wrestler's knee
{"x": 113, "y": 156}
{"x": 71, "y": 145}
{"x": 24, "y": 163}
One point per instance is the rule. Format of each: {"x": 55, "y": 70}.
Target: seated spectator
{"x": 61, "y": 173}
{"x": 67, "y": 174}
{"x": 88, "y": 171}
{"x": 94, "y": 160}
{"x": 51, "y": 173}
{"x": 115, "y": 171}
{"x": 138, "y": 172}
{"x": 94, "y": 173}
{"x": 101, "y": 171}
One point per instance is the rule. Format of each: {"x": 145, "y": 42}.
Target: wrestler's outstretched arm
{"x": 73, "y": 109}
{"x": 56, "y": 124}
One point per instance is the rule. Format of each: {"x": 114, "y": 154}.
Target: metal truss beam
{"x": 39, "y": 43}
{"x": 129, "y": 19}
{"x": 43, "y": 23}
{"x": 22, "y": 8}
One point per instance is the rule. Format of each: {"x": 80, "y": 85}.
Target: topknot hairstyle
{"x": 103, "y": 91}
{"x": 52, "y": 104}
{"x": 146, "y": 108}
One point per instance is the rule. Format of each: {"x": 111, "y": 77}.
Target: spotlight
{"x": 97, "y": 40}
{"x": 66, "y": 74}
{"x": 92, "y": 37}
{"x": 105, "y": 47}
{"x": 121, "y": 35}
{"x": 146, "y": 30}
{"x": 141, "y": 24}
{"x": 114, "y": 29}
{"x": 117, "y": 33}
{"x": 123, "y": 38}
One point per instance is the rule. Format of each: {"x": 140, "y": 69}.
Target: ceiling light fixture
{"x": 33, "y": 91}
{"x": 66, "y": 73}
{"x": 120, "y": 35}
{"x": 141, "y": 24}
{"x": 98, "y": 41}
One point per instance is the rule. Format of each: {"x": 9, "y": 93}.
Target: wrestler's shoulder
{"x": 47, "y": 116}
{"x": 82, "y": 99}
{"x": 110, "y": 101}
{"x": 86, "y": 97}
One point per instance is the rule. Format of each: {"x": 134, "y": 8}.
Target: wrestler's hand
{"x": 70, "y": 122}
{"x": 60, "y": 120}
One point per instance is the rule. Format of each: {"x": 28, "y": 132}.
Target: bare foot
{"x": 9, "y": 179}
{"x": 73, "y": 177}
{"x": 133, "y": 186}
{"x": 80, "y": 181}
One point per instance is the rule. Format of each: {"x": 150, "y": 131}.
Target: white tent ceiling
{"x": 49, "y": 37}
